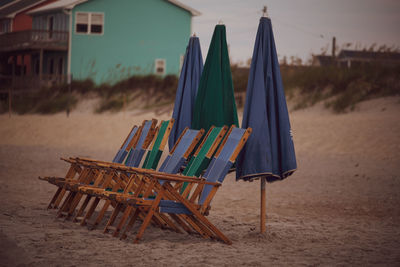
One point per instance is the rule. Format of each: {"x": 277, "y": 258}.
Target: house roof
{"x": 356, "y": 54}
{"x": 4, "y": 3}
{"x": 68, "y": 4}
{"x": 193, "y": 11}
{"x": 61, "y": 4}
{"x": 10, "y": 9}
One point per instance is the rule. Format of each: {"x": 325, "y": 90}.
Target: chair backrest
{"x": 123, "y": 151}
{"x": 204, "y": 153}
{"x": 223, "y": 160}
{"x": 181, "y": 150}
{"x": 146, "y": 135}
{"x": 154, "y": 154}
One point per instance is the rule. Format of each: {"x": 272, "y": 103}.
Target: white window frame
{"x": 164, "y": 62}
{"x": 89, "y": 14}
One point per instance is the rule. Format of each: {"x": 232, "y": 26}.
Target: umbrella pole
{"x": 263, "y": 207}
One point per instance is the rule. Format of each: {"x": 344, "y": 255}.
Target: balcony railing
{"x": 34, "y": 39}
{"x": 31, "y": 82}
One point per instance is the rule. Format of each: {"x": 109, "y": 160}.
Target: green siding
{"x": 135, "y": 34}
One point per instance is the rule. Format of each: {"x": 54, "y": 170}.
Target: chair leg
{"x": 51, "y": 204}
{"x": 197, "y": 227}
{"x": 82, "y": 208}
{"x": 59, "y": 198}
{"x": 65, "y": 205}
{"x": 114, "y": 215}
{"x": 148, "y": 217}
{"x": 55, "y": 201}
{"x": 101, "y": 214}
{"x": 199, "y": 217}
{"x": 74, "y": 204}
{"x": 166, "y": 222}
{"x": 182, "y": 223}
{"x": 131, "y": 223}
{"x": 90, "y": 212}
{"x": 122, "y": 222}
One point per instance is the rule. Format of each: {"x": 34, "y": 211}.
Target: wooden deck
{"x": 34, "y": 39}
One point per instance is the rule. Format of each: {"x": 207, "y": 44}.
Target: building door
{"x": 51, "y": 68}
{"x": 60, "y": 66}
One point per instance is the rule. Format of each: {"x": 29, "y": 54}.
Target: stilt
{"x": 263, "y": 207}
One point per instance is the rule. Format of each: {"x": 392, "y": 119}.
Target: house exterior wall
{"x": 135, "y": 34}
{"x": 22, "y": 21}
{"x": 61, "y": 21}
{"x": 57, "y": 57}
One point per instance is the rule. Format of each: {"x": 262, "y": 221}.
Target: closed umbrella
{"x": 269, "y": 152}
{"x": 187, "y": 89}
{"x": 215, "y": 101}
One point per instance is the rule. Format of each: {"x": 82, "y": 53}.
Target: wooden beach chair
{"x": 198, "y": 162}
{"x": 191, "y": 206}
{"x": 75, "y": 168}
{"x": 106, "y": 178}
{"x": 133, "y": 159}
{"x": 129, "y": 143}
{"x": 85, "y": 169}
{"x": 173, "y": 162}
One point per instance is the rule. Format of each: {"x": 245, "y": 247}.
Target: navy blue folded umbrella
{"x": 269, "y": 152}
{"x": 187, "y": 89}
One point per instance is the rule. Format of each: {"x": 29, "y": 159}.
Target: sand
{"x": 340, "y": 208}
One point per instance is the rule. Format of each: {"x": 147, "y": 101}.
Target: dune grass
{"x": 339, "y": 88}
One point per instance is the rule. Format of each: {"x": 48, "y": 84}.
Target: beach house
{"x": 18, "y": 41}
{"x": 107, "y": 41}
{"x": 112, "y": 40}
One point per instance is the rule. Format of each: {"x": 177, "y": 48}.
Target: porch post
{"x": 13, "y": 70}
{"x": 22, "y": 64}
{"x": 40, "y": 67}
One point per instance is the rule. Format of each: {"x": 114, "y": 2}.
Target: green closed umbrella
{"x": 215, "y": 101}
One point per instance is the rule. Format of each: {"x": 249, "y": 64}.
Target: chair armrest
{"x": 182, "y": 178}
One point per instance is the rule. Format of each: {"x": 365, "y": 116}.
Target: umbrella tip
{"x": 265, "y": 12}
{"x": 220, "y": 22}
{"x": 194, "y": 34}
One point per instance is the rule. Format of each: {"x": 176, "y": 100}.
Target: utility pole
{"x": 333, "y": 46}
{"x": 9, "y": 101}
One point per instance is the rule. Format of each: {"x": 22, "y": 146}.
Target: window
{"x": 160, "y": 66}
{"x": 96, "y": 25}
{"x": 5, "y": 26}
{"x": 89, "y": 23}
{"x": 82, "y": 22}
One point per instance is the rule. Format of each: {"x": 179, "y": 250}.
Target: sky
{"x": 301, "y": 27}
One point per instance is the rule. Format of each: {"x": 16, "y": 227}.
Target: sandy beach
{"x": 342, "y": 206}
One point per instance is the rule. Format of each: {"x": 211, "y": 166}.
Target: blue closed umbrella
{"x": 269, "y": 152}
{"x": 187, "y": 89}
